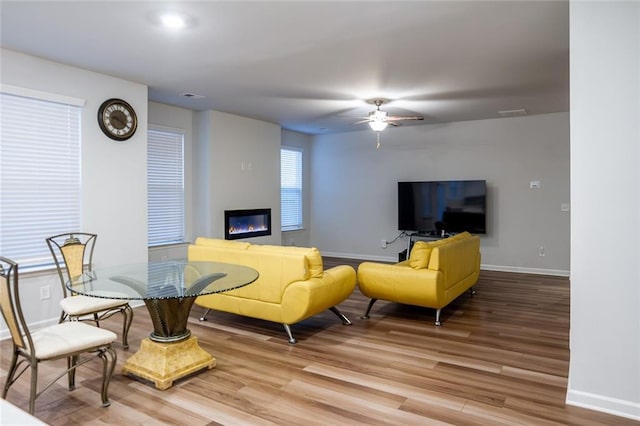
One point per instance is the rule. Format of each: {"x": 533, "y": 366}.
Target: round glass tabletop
{"x": 162, "y": 280}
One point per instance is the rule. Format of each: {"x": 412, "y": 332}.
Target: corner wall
{"x": 604, "y": 370}
{"x": 236, "y": 166}
{"x": 354, "y": 187}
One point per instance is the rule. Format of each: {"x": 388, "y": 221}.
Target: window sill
{"x": 162, "y": 246}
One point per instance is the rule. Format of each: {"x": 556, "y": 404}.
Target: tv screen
{"x": 449, "y": 206}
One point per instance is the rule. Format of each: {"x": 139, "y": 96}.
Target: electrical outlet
{"x": 383, "y": 243}
{"x": 44, "y": 292}
{"x": 541, "y": 251}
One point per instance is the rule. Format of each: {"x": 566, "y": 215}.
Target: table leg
{"x": 170, "y": 352}
{"x": 163, "y": 363}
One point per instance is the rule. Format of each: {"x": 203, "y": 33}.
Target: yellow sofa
{"x": 292, "y": 285}
{"x": 435, "y": 274}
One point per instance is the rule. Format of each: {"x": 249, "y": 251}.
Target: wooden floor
{"x": 500, "y": 357}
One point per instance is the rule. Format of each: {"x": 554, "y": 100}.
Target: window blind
{"x": 291, "y": 188}
{"x": 40, "y": 186}
{"x": 165, "y": 175}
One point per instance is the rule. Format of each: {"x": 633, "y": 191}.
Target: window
{"x": 39, "y": 173}
{"x": 291, "y": 188}
{"x": 165, "y": 176}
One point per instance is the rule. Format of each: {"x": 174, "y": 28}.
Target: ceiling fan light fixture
{"x": 173, "y": 21}
{"x": 378, "y": 125}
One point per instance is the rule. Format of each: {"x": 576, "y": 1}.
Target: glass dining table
{"x": 168, "y": 289}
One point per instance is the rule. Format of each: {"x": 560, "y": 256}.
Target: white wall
{"x": 605, "y": 222}
{"x": 302, "y": 237}
{"x": 114, "y": 183}
{"x": 354, "y": 187}
{"x": 236, "y": 166}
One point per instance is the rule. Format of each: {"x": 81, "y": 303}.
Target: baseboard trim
{"x": 498, "y": 268}
{"x": 360, "y": 257}
{"x": 605, "y": 404}
{"x": 523, "y": 270}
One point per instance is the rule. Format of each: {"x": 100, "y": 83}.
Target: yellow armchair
{"x": 435, "y": 274}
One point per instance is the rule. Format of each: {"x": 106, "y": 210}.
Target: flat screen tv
{"x": 449, "y": 206}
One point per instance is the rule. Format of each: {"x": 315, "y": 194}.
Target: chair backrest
{"x": 72, "y": 253}
{"x": 10, "y": 305}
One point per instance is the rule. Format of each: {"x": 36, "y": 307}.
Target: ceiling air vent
{"x": 191, "y": 95}
{"x": 513, "y": 112}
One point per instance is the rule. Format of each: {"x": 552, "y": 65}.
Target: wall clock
{"x": 117, "y": 119}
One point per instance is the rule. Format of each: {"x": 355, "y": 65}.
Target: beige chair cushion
{"x": 68, "y": 337}
{"x": 82, "y": 305}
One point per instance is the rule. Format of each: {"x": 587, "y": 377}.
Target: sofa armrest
{"x": 400, "y": 283}
{"x": 302, "y": 299}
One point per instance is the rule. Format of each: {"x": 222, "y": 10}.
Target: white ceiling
{"x": 312, "y": 66}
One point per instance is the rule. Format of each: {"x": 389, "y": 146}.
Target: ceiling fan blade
{"x": 391, "y": 123}
{"x": 362, "y": 121}
{"x": 392, "y": 118}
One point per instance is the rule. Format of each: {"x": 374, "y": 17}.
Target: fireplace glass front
{"x": 246, "y": 223}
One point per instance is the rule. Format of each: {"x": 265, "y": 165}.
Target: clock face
{"x": 117, "y": 119}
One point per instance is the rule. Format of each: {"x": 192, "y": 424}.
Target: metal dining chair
{"x": 69, "y": 339}
{"x": 73, "y": 255}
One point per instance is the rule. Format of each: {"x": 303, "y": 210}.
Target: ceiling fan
{"x": 379, "y": 120}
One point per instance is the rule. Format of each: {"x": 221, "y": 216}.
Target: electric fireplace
{"x": 246, "y": 223}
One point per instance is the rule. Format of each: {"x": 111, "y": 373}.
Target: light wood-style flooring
{"x": 501, "y": 357}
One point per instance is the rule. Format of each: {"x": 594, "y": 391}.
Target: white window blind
{"x": 291, "y": 188}
{"x": 39, "y": 176}
{"x": 165, "y": 175}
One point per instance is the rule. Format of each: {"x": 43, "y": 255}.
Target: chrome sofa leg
{"x": 472, "y": 290}
{"x": 204, "y": 316}
{"x": 438, "y": 323}
{"x": 340, "y": 315}
{"x": 366, "y": 314}
{"x": 292, "y": 340}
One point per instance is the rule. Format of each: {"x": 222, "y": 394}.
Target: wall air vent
{"x": 513, "y": 113}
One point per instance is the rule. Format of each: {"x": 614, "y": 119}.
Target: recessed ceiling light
{"x": 171, "y": 20}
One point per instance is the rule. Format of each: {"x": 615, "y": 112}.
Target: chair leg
{"x": 10, "y": 374}
{"x": 204, "y": 316}
{"x": 127, "y": 312}
{"x": 340, "y": 315}
{"x": 438, "y": 323}
{"x": 472, "y": 290}
{"x": 107, "y": 372}
{"x": 33, "y": 392}
{"x": 366, "y": 314}
{"x": 71, "y": 371}
{"x": 292, "y": 340}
